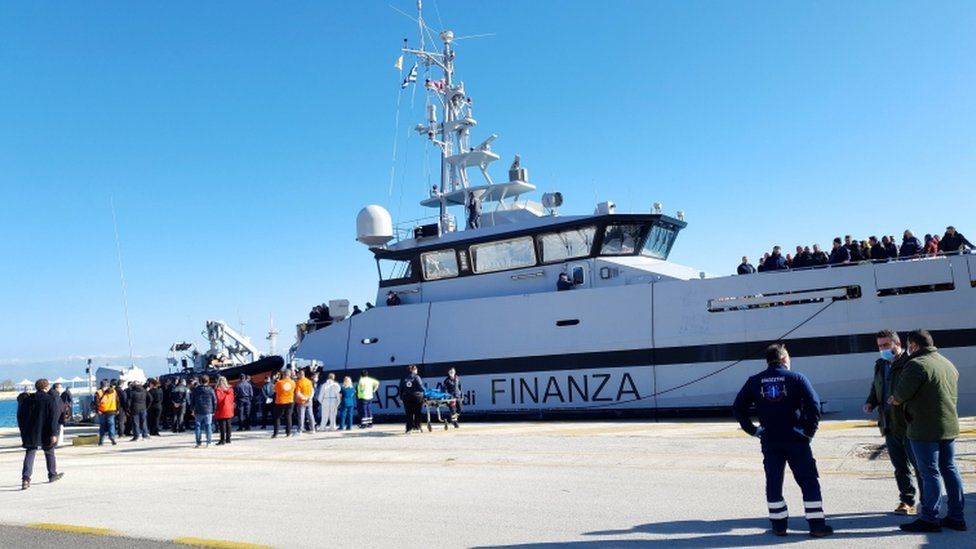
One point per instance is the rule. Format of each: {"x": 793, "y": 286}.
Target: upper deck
{"x": 540, "y": 241}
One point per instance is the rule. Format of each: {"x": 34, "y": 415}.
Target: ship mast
{"x": 452, "y": 135}
{"x": 445, "y": 61}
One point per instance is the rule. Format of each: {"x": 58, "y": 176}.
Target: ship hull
{"x": 645, "y": 349}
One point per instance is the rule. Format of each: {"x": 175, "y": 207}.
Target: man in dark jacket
{"x": 818, "y": 257}
{"x": 243, "y": 394}
{"x": 180, "y": 397}
{"x": 745, "y": 267}
{"x": 204, "y": 402}
{"x": 927, "y": 392}
{"x": 803, "y": 258}
{"x": 854, "y": 248}
{"x": 891, "y": 419}
{"x": 953, "y": 242}
{"x": 789, "y": 414}
{"x": 168, "y": 403}
{"x": 122, "y": 414}
{"x": 38, "y": 418}
{"x": 412, "y": 394}
{"x": 840, "y": 254}
{"x": 452, "y": 386}
{"x": 139, "y": 411}
{"x": 910, "y": 245}
{"x": 890, "y": 247}
{"x": 775, "y": 261}
{"x": 878, "y": 251}
{"x": 155, "y": 406}
{"x": 563, "y": 283}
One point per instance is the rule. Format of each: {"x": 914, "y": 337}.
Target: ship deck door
{"x": 577, "y": 274}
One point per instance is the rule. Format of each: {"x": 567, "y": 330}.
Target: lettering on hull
{"x": 564, "y": 389}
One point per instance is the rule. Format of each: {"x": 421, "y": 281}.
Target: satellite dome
{"x": 374, "y": 226}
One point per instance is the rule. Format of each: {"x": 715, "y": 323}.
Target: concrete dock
{"x": 525, "y": 485}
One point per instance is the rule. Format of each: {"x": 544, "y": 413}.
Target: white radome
{"x": 374, "y": 226}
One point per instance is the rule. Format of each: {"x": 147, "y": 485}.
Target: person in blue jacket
{"x": 347, "y": 404}
{"x": 911, "y": 246}
{"x": 789, "y": 414}
{"x": 775, "y": 261}
{"x": 839, "y": 254}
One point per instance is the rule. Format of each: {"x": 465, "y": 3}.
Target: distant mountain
{"x": 70, "y": 367}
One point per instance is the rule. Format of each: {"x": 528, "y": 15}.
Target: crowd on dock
{"x": 292, "y": 401}
{"x": 852, "y": 250}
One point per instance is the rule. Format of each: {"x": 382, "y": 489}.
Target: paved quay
{"x": 519, "y": 485}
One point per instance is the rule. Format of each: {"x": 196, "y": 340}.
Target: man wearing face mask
{"x": 927, "y": 392}
{"x": 891, "y": 419}
{"x": 789, "y": 414}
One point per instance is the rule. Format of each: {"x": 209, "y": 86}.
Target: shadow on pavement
{"x": 721, "y": 533}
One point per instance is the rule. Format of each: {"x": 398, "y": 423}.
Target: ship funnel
{"x": 374, "y": 226}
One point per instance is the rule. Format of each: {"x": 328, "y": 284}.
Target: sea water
{"x": 8, "y": 413}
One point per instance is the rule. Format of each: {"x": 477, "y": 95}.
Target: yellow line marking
{"x": 219, "y": 543}
{"x": 841, "y": 425}
{"x": 74, "y": 529}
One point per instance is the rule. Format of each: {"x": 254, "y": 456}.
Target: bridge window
{"x": 566, "y": 244}
{"x": 621, "y": 239}
{"x": 391, "y": 269}
{"x": 503, "y": 255}
{"x": 439, "y": 264}
{"x": 659, "y": 241}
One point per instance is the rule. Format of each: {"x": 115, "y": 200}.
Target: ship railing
{"x": 404, "y": 230}
{"x": 310, "y": 326}
{"x": 919, "y": 257}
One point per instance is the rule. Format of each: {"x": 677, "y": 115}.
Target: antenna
{"x": 272, "y": 337}
{"x": 125, "y": 300}
{"x": 470, "y": 36}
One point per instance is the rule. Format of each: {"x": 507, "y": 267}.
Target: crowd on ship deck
{"x": 851, "y": 250}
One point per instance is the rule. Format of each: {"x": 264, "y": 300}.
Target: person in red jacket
{"x": 225, "y": 409}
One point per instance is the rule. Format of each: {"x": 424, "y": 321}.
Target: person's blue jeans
{"x": 203, "y": 422}
{"x": 140, "y": 424}
{"x": 345, "y": 417}
{"x": 937, "y": 460}
{"x": 902, "y": 459}
{"x": 106, "y": 426}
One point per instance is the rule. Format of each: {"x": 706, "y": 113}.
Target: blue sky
{"x": 238, "y": 141}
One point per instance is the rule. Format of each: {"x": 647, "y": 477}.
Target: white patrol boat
{"x": 635, "y": 334}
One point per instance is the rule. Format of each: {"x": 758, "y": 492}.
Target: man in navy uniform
{"x": 789, "y": 413}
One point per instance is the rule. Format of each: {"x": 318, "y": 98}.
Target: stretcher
{"x": 436, "y": 400}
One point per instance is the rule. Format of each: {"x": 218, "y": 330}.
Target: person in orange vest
{"x": 106, "y": 405}
{"x": 284, "y": 391}
{"x": 304, "y": 388}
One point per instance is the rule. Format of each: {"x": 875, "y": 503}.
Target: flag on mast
{"x": 411, "y": 77}
{"x": 399, "y": 63}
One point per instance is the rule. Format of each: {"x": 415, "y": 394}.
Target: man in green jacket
{"x": 927, "y": 393}
{"x": 891, "y": 419}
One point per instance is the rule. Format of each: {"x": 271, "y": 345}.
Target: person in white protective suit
{"x": 328, "y": 397}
